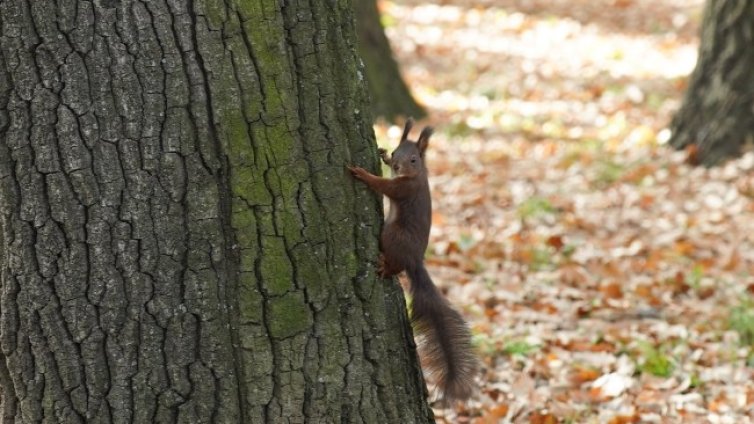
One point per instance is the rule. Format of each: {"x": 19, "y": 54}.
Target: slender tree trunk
{"x": 179, "y": 240}
{"x": 391, "y": 97}
{"x": 717, "y": 115}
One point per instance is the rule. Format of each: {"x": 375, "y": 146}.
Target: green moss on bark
{"x": 215, "y": 13}
{"x": 288, "y": 315}
{"x": 275, "y": 267}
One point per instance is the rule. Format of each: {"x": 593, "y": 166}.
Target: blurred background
{"x": 606, "y": 275}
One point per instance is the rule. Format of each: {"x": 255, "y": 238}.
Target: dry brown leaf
{"x": 555, "y": 242}
{"x": 611, "y": 290}
{"x": 625, "y": 419}
{"x": 542, "y": 418}
{"x": 580, "y": 375}
{"x": 493, "y": 415}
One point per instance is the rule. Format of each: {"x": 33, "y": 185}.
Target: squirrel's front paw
{"x": 383, "y": 269}
{"x": 383, "y": 154}
{"x": 358, "y": 172}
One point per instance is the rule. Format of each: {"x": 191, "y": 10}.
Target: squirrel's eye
{"x": 413, "y": 159}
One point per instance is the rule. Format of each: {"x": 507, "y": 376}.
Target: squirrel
{"x": 444, "y": 338}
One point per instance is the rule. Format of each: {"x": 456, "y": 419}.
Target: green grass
{"x": 483, "y": 344}
{"x": 694, "y": 279}
{"x": 466, "y": 241}
{"x": 741, "y": 320}
{"x": 609, "y": 172}
{"x": 655, "y": 361}
{"x": 458, "y": 129}
{"x": 542, "y": 258}
{"x": 535, "y": 207}
{"x": 520, "y": 348}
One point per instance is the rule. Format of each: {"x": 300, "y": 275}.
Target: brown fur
{"x": 443, "y": 337}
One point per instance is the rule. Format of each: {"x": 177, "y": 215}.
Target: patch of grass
{"x": 534, "y": 207}
{"x": 741, "y": 320}
{"x": 490, "y": 283}
{"x": 541, "y": 258}
{"x": 466, "y": 242}
{"x": 694, "y": 279}
{"x": 591, "y": 145}
{"x": 609, "y": 172}
{"x": 458, "y": 129}
{"x": 696, "y": 381}
{"x": 520, "y": 348}
{"x": 617, "y": 54}
{"x": 655, "y": 101}
{"x": 484, "y": 344}
{"x": 568, "y": 250}
{"x": 491, "y": 93}
{"x": 655, "y": 361}
{"x": 387, "y": 20}
{"x": 479, "y": 267}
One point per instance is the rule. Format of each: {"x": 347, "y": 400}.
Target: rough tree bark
{"x": 179, "y": 239}
{"x": 717, "y": 114}
{"x": 390, "y": 97}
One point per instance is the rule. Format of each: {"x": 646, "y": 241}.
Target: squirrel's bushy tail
{"x": 443, "y": 338}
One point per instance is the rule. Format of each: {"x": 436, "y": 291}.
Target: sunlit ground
{"x": 606, "y": 280}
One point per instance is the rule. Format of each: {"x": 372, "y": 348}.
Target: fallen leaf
{"x": 612, "y": 385}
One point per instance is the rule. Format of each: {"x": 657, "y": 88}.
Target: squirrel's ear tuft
{"x": 423, "y": 141}
{"x": 407, "y": 129}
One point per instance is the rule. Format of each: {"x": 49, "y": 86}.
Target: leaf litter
{"x": 605, "y": 279}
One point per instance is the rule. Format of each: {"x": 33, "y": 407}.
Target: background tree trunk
{"x": 390, "y": 97}
{"x": 179, "y": 239}
{"x": 717, "y": 114}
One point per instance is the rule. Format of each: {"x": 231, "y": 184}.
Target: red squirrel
{"x": 444, "y": 338}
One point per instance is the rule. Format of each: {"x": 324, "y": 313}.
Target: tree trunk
{"x": 717, "y": 114}
{"x": 391, "y": 97}
{"x": 179, "y": 239}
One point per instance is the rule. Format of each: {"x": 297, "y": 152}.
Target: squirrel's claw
{"x": 357, "y": 172}
{"x": 383, "y": 270}
{"x": 384, "y": 155}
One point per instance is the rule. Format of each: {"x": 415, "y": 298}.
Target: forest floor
{"x": 605, "y": 279}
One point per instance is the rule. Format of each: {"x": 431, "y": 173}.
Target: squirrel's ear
{"x": 423, "y": 141}
{"x": 407, "y": 129}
